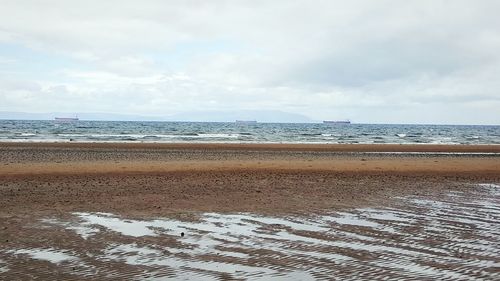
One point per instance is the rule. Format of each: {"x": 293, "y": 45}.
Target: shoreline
{"x": 324, "y": 147}
{"x": 21, "y": 159}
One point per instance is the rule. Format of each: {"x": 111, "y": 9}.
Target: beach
{"x": 164, "y": 178}
{"x": 292, "y": 140}
{"x": 40, "y": 181}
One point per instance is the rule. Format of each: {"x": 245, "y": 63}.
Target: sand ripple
{"x": 456, "y": 237}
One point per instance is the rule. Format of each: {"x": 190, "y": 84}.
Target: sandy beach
{"x": 66, "y": 210}
{"x": 165, "y": 178}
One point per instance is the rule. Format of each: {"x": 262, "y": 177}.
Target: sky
{"x": 433, "y": 62}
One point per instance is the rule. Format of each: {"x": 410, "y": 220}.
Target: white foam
{"x": 233, "y": 136}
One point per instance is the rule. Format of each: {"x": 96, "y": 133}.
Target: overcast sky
{"x": 369, "y": 61}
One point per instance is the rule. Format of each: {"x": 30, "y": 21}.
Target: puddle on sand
{"x": 352, "y": 219}
{"x": 50, "y": 255}
{"x": 3, "y": 267}
{"x": 456, "y": 238}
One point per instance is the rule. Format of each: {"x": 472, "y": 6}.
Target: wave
{"x": 443, "y": 140}
{"x": 310, "y": 134}
{"x": 224, "y": 132}
{"x": 147, "y": 136}
{"x": 219, "y": 135}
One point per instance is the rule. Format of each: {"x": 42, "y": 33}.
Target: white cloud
{"x": 372, "y": 61}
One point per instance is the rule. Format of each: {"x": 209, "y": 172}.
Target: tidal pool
{"x": 454, "y": 238}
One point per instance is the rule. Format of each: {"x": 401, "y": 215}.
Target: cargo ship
{"x": 337, "y": 122}
{"x": 246, "y": 121}
{"x": 66, "y": 119}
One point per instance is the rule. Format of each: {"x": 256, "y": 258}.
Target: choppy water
{"x": 418, "y": 238}
{"x": 98, "y": 131}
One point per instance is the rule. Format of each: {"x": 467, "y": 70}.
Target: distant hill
{"x": 271, "y": 116}
{"x": 83, "y": 116}
{"x": 195, "y": 116}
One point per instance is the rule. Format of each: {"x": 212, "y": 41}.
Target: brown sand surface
{"x": 171, "y": 178}
{"x": 42, "y": 185}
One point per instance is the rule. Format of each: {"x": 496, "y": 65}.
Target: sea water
{"x": 231, "y": 132}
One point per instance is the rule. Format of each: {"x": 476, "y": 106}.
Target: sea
{"x": 233, "y": 132}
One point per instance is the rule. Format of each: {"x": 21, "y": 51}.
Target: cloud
{"x": 371, "y": 61}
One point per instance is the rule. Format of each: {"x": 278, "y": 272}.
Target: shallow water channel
{"x": 454, "y": 238}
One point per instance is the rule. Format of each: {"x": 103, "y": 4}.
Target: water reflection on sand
{"x": 454, "y": 238}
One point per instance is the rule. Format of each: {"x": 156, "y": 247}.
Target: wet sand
{"x": 166, "y": 178}
{"x": 454, "y": 238}
{"x": 40, "y": 181}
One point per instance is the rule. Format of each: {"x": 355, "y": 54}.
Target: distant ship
{"x": 66, "y": 119}
{"x": 246, "y": 121}
{"x": 337, "y": 122}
